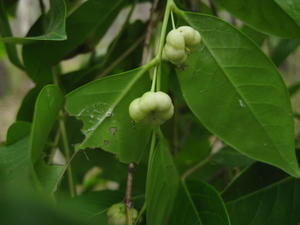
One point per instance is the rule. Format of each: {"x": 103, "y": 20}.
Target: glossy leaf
{"x": 277, "y": 17}
{"x": 39, "y": 57}
{"x": 198, "y": 203}
{"x": 162, "y": 184}
{"x": 47, "y": 106}
{"x": 55, "y": 31}
{"x": 102, "y": 105}
{"x": 263, "y": 195}
{"x": 238, "y": 94}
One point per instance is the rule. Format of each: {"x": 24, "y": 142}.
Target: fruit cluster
{"x": 179, "y": 41}
{"x": 152, "y": 107}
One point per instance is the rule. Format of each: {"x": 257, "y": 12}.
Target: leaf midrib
{"x": 242, "y": 97}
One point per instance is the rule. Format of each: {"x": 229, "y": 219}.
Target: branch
{"x": 127, "y": 200}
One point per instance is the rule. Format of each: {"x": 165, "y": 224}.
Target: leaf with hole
{"x": 102, "y": 105}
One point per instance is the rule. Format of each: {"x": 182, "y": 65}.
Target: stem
{"x": 63, "y": 132}
{"x": 164, "y": 28}
{"x": 54, "y": 146}
{"x": 173, "y": 21}
{"x": 128, "y": 202}
{"x": 196, "y": 167}
{"x": 114, "y": 44}
{"x": 122, "y": 57}
{"x": 154, "y": 79}
{"x": 67, "y": 154}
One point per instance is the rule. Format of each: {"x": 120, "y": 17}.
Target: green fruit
{"x": 175, "y": 39}
{"x": 172, "y": 54}
{"x": 134, "y": 110}
{"x": 116, "y": 214}
{"x": 191, "y": 36}
{"x": 153, "y": 107}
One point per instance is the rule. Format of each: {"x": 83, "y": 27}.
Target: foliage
{"x": 226, "y": 157}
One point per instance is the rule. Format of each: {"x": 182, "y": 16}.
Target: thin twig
{"x": 67, "y": 150}
{"x": 127, "y": 200}
{"x": 213, "y": 7}
{"x": 122, "y": 57}
{"x": 196, "y": 167}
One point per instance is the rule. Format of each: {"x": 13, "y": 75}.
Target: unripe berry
{"x": 134, "y": 110}
{"x": 191, "y": 36}
{"x": 152, "y": 107}
{"x": 163, "y": 101}
{"x": 116, "y": 214}
{"x": 172, "y": 54}
{"x": 148, "y": 102}
{"x": 175, "y": 39}
{"x": 167, "y": 114}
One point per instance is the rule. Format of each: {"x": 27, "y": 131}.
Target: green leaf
{"x": 84, "y": 27}
{"x": 14, "y": 163}
{"x": 263, "y": 195}
{"x": 102, "y": 105}
{"x": 291, "y": 7}
{"x": 47, "y": 106}
{"x": 17, "y": 131}
{"x": 55, "y": 30}
{"x": 277, "y": 17}
{"x": 238, "y": 94}
{"x": 198, "y": 203}
{"x": 26, "y": 109}
{"x": 162, "y": 184}
{"x": 27, "y": 152}
{"x": 283, "y": 49}
{"x": 255, "y": 35}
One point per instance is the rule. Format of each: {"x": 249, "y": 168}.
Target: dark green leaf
{"x": 263, "y": 195}
{"x": 84, "y": 27}
{"x": 26, "y": 109}
{"x": 162, "y": 184}
{"x": 238, "y": 94}
{"x": 47, "y": 106}
{"x": 198, "y": 203}
{"x": 102, "y": 105}
{"x": 55, "y": 30}
{"x": 276, "y": 17}
{"x": 17, "y": 131}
